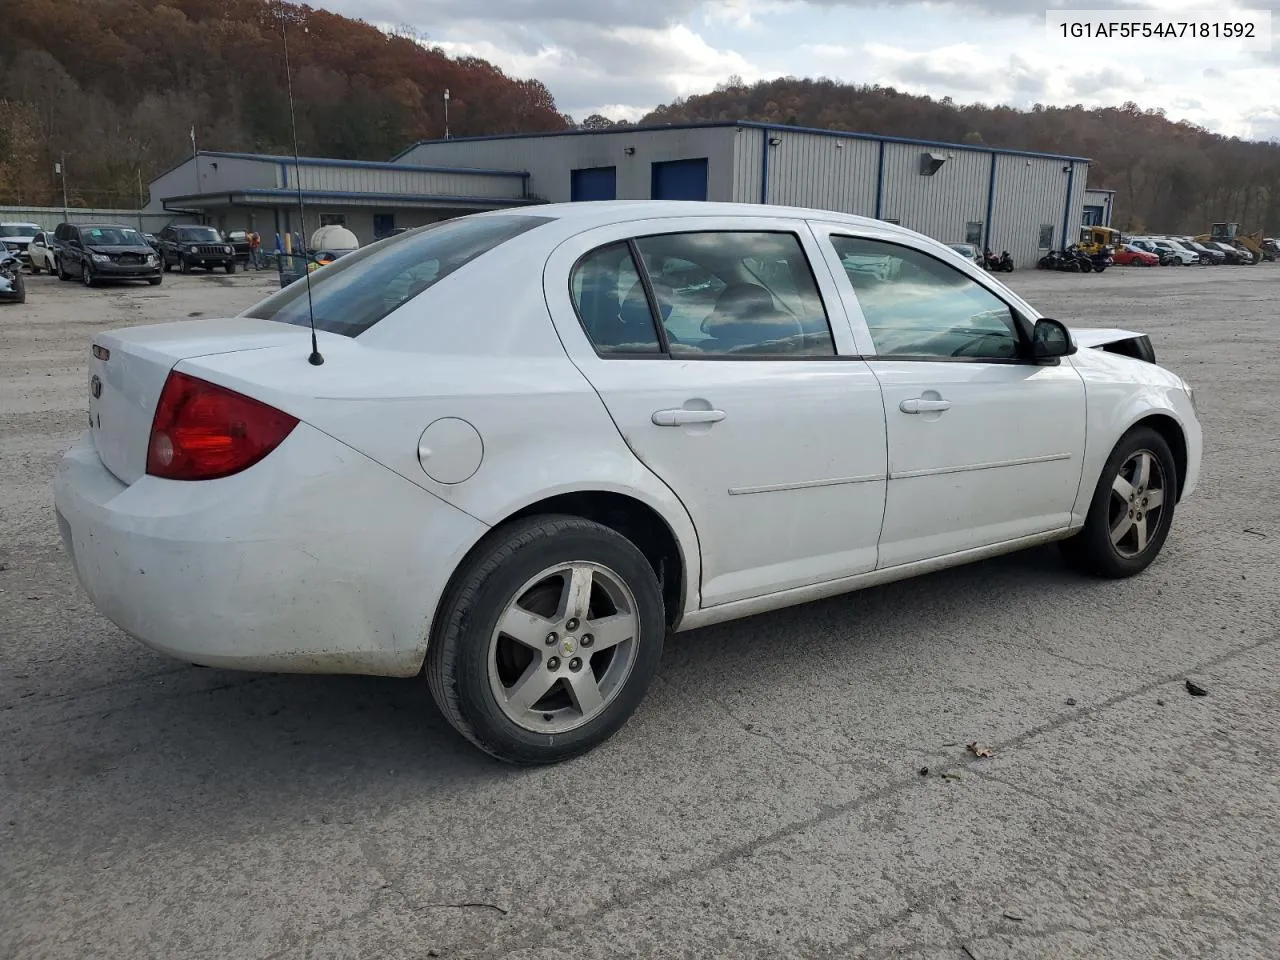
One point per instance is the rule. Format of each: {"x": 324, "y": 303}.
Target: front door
{"x": 726, "y": 361}
{"x": 985, "y": 446}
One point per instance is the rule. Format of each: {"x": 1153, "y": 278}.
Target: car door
{"x": 985, "y": 446}
{"x": 75, "y": 252}
{"x": 721, "y": 350}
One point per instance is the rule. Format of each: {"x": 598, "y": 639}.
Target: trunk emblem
{"x": 95, "y": 386}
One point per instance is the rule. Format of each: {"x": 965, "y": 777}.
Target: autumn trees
{"x": 118, "y": 84}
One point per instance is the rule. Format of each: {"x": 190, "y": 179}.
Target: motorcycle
{"x": 1050, "y": 261}
{"x": 1002, "y": 263}
{"x": 12, "y": 285}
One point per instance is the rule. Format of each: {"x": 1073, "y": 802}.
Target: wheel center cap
{"x": 568, "y": 645}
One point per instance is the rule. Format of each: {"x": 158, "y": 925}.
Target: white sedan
{"x": 524, "y": 447}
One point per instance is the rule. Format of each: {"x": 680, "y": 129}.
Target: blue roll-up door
{"x": 680, "y": 180}
{"x": 593, "y": 183}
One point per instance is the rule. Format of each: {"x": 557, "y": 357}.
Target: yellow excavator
{"x": 1229, "y": 233}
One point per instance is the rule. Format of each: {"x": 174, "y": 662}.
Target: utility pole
{"x": 141, "y": 202}
{"x": 446, "y": 113}
{"x": 60, "y": 169}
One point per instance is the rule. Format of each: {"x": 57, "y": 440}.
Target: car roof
{"x": 588, "y": 214}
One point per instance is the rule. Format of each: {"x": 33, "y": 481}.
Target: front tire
{"x": 547, "y": 640}
{"x": 230, "y": 266}
{"x": 86, "y": 274}
{"x": 62, "y": 273}
{"x": 1131, "y": 511}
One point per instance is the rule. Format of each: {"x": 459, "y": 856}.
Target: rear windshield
{"x": 353, "y": 293}
{"x": 18, "y": 230}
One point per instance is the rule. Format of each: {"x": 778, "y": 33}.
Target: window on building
{"x": 333, "y": 219}
{"x": 916, "y": 306}
{"x": 1046, "y": 236}
{"x": 973, "y": 232}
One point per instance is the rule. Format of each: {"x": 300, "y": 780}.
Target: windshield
{"x": 112, "y": 236}
{"x": 199, "y": 235}
{"x": 18, "y": 230}
{"x": 352, "y": 294}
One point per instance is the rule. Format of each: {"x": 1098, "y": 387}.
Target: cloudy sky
{"x": 623, "y": 57}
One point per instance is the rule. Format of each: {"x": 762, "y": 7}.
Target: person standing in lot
{"x": 255, "y": 249}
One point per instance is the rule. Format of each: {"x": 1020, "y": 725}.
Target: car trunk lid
{"x": 128, "y": 369}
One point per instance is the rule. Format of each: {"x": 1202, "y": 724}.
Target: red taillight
{"x": 202, "y": 431}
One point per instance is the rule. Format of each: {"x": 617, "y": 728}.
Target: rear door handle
{"x": 917, "y": 405}
{"x": 681, "y": 417}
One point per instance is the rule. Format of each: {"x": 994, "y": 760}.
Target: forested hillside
{"x": 1170, "y": 176}
{"x": 118, "y": 84}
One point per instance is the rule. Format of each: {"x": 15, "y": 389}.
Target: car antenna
{"x": 315, "y": 359}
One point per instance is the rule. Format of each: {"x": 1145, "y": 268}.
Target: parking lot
{"x": 796, "y": 785}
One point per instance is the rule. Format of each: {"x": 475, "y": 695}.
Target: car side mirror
{"x": 1050, "y": 340}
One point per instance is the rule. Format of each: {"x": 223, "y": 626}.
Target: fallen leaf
{"x": 951, "y": 775}
{"x": 924, "y": 771}
{"x": 1012, "y": 916}
{"x": 1196, "y": 690}
{"x": 978, "y": 751}
{"x": 1071, "y": 701}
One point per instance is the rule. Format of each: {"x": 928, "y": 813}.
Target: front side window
{"x": 916, "y": 306}
{"x": 736, "y": 294}
{"x": 350, "y": 295}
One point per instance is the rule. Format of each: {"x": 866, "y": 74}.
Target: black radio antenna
{"x": 315, "y": 359}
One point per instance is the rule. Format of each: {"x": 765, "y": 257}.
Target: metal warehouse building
{"x": 249, "y": 191}
{"x": 1012, "y": 200}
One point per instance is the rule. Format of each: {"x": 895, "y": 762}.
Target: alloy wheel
{"x": 1137, "y": 503}
{"x": 564, "y": 647}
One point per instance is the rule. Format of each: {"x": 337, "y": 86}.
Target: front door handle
{"x": 681, "y": 417}
{"x": 918, "y": 405}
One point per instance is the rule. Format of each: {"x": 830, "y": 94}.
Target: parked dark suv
{"x": 186, "y": 246}
{"x": 104, "y": 251}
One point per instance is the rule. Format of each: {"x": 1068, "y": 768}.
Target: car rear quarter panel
{"x": 1120, "y": 392}
{"x": 479, "y": 346}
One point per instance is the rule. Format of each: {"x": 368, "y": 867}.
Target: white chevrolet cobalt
{"x": 527, "y": 444}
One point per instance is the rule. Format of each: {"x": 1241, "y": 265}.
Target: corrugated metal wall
{"x": 747, "y": 165}
{"x": 827, "y": 173}
{"x": 550, "y": 160}
{"x": 407, "y": 182}
{"x": 1031, "y": 192}
{"x": 939, "y": 205}
{"x": 217, "y": 175}
{"x": 50, "y": 217}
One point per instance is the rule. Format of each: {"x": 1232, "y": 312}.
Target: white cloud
{"x": 623, "y": 57}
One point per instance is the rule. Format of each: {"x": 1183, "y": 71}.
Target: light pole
{"x": 446, "y": 113}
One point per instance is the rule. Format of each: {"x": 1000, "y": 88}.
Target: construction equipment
{"x": 1095, "y": 240}
{"x": 1229, "y": 233}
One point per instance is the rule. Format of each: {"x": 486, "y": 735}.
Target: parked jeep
{"x": 187, "y": 246}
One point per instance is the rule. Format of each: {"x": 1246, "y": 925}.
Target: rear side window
{"x": 350, "y": 295}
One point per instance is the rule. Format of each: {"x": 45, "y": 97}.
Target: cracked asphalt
{"x": 770, "y": 798}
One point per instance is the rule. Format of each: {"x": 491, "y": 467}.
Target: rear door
{"x": 721, "y": 349}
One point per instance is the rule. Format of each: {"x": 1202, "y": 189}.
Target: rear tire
{"x": 1130, "y": 516}
{"x": 522, "y": 575}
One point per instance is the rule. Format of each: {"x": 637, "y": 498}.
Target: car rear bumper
{"x": 315, "y": 560}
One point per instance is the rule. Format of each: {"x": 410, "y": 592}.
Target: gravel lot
{"x": 769, "y": 799}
